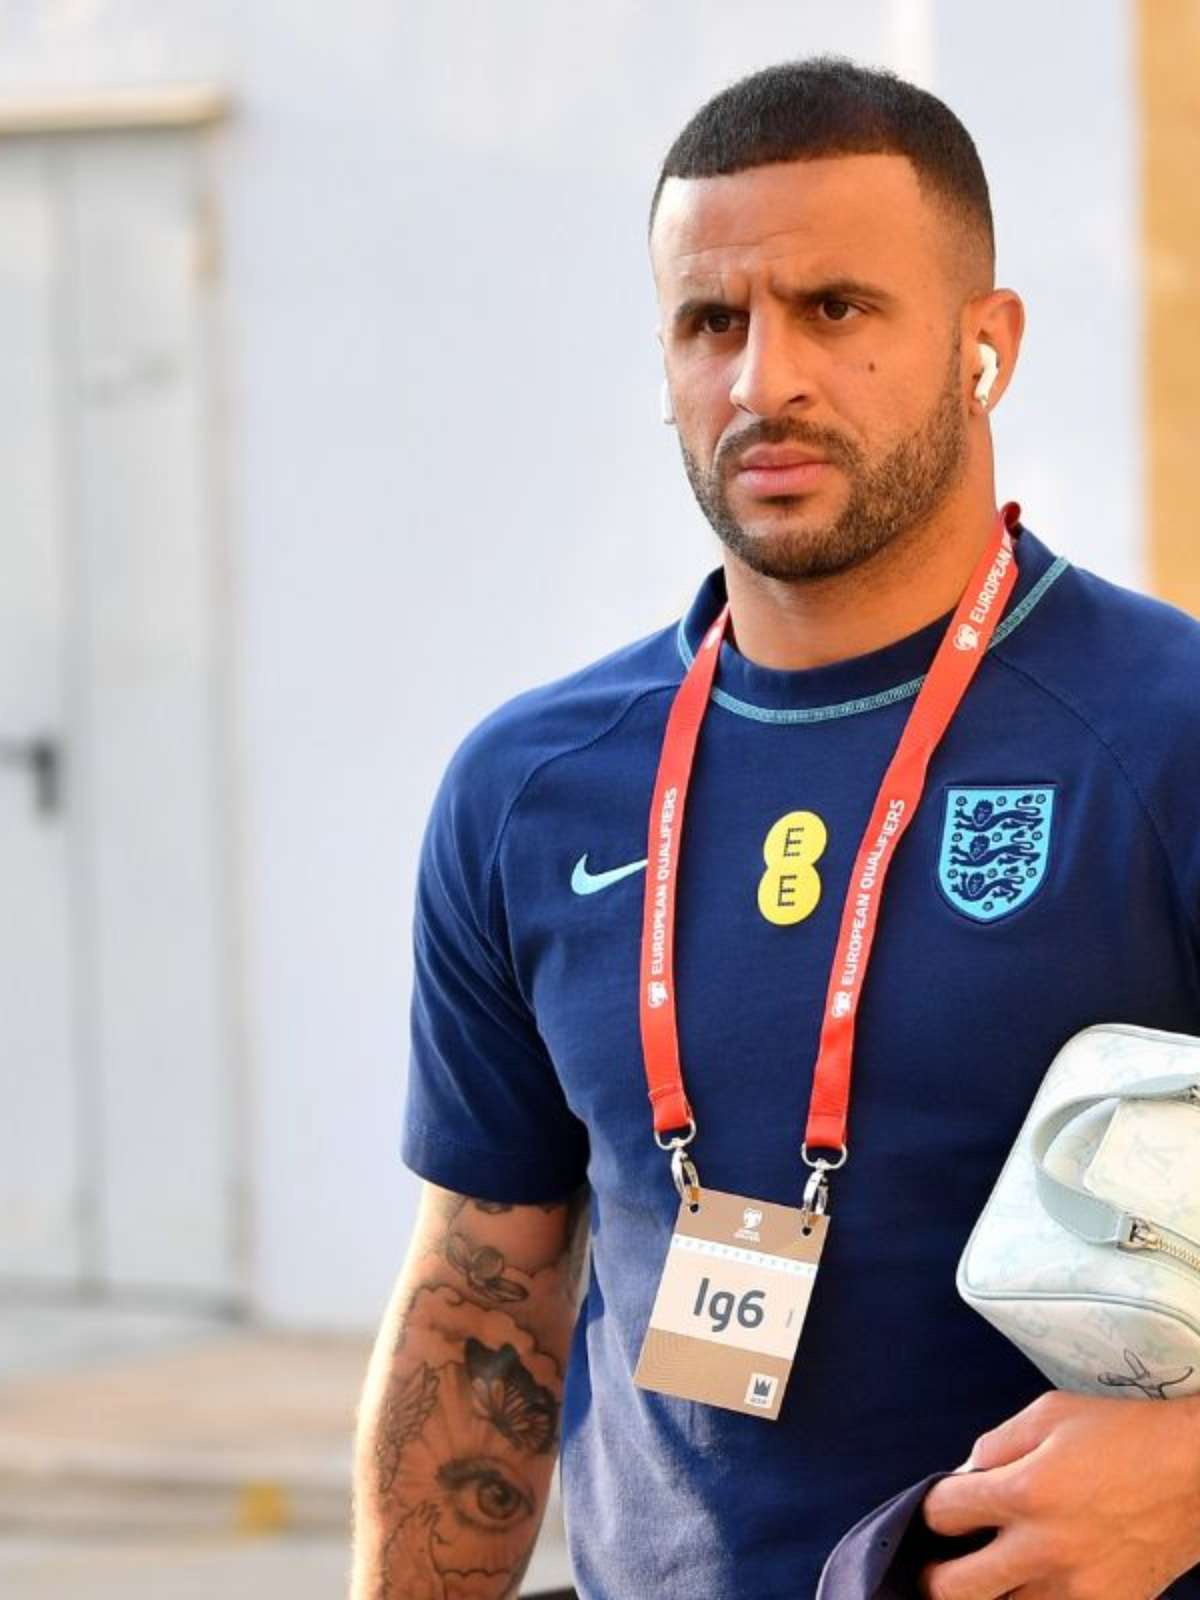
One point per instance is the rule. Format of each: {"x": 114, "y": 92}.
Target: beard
{"x": 887, "y": 498}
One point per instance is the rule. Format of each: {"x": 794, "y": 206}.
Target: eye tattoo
{"x": 483, "y": 1494}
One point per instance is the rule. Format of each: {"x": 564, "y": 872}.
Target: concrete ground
{"x": 265, "y": 1567}
{"x": 144, "y": 1454}
{"x": 173, "y": 1568}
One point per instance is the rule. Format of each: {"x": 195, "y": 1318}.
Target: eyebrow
{"x": 834, "y": 289}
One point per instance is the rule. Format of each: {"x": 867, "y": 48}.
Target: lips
{"x": 768, "y": 469}
{"x": 774, "y": 456}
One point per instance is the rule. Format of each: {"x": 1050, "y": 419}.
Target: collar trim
{"x": 886, "y": 697}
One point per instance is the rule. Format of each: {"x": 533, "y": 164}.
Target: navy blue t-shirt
{"x": 1050, "y": 879}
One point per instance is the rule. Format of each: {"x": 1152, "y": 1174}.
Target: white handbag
{"x": 1087, "y": 1253}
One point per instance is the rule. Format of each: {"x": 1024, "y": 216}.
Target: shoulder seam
{"x": 570, "y": 750}
{"x": 1148, "y": 810}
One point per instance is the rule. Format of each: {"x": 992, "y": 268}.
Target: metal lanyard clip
{"x": 687, "y": 1179}
{"x": 816, "y": 1195}
{"x": 816, "y": 1190}
{"x": 683, "y": 1168}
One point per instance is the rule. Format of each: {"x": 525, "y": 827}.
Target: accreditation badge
{"x": 731, "y": 1303}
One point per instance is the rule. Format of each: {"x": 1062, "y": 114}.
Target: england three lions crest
{"x": 995, "y": 848}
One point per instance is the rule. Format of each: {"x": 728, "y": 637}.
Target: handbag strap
{"x": 1084, "y": 1213}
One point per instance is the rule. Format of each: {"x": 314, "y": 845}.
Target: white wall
{"x": 444, "y": 435}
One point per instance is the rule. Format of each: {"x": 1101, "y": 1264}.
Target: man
{"x": 834, "y": 346}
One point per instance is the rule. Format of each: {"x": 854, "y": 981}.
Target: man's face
{"x": 812, "y": 306}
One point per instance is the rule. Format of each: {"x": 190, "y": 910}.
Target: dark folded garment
{"x": 881, "y": 1556}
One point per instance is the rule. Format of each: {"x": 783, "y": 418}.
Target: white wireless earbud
{"x": 664, "y": 403}
{"x": 991, "y": 366}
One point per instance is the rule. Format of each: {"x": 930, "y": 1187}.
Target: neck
{"x": 812, "y": 622}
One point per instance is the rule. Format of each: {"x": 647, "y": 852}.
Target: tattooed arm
{"x": 458, "y": 1423}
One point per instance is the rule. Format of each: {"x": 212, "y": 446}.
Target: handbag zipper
{"x": 1143, "y": 1237}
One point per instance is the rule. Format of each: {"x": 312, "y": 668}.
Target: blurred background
{"x": 328, "y": 386}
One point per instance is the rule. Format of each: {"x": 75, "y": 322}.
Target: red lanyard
{"x": 957, "y": 659}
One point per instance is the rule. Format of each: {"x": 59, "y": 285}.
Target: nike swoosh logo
{"x": 585, "y": 882}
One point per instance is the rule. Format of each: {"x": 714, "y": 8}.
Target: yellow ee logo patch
{"x": 789, "y": 889}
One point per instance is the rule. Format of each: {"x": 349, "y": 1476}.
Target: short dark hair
{"x": 830, "y": 106}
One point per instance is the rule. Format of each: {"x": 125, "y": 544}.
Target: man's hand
{"x": 1094, "y": 1499}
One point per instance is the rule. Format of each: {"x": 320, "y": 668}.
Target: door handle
{"x": 43, "y": 756}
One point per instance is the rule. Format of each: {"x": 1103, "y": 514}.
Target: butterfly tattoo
{"x": 505, "y": 1393}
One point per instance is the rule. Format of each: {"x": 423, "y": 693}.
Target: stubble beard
{"x": 886, "y": 500}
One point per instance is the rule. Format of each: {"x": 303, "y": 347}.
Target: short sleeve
{"x": 484, "y": 1111}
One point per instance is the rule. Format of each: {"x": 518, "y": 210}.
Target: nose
{"x": 772, "y": 374}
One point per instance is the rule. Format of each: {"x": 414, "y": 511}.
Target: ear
{"x": 996, "y": 318}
